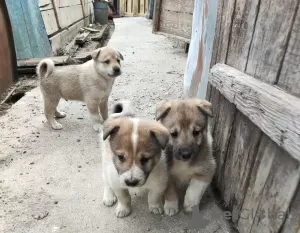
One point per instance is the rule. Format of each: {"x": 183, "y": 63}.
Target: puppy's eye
{"x": 121, "y": 158}
{"x": 174, "y": 134}
{"x": 118, "y": 60}
{"x": 144, "y": 160}
{"x": 196, "y": 132}
{"x": 107, "y": 61}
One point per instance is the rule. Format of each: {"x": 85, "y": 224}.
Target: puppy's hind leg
{"x": 49, "y": 111}
{"x": 59, "y": 114}
{"x": 93, "y": 107}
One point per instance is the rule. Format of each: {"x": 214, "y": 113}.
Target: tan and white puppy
{"x": 189, "y": 151}
{"x": 133, "y": 158}
{"x": 90, "y": 82}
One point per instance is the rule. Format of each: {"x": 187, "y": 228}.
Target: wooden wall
{"x": 174, "y": 17}
{"x": 8, "y": 64}
{"x": 258, "y": 179}
{"x": 64, "y": 18}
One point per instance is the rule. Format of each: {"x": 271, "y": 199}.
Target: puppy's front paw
{"x": 171, "y": 208}
{"x": 56, "y": 126}
{"x": 156, "y": 209}
{"x": 109, "y": 200}
{"x": 97, "y": 127}
{"x": 123, "y": 211}
{"x": 189, "y": 205}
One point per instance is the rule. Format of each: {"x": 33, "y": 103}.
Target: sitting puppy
{"x": 90, "y": 82}
{"x": 189, "y": 150}
{"x": 133, "y": 159}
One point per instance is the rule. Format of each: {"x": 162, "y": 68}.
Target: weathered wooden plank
{"x": 238, "y": 161}
{"x": 277, "y": 194}
{"x": 272, "y": 185}
{"x": 50, "y": 21}
{"x": 243, "y": 25}
{"x": 292, "y": 222}
{"x": 275, "y": 112}
{"x": 142, "y": 7}
{"x": 135, "y": 7}
{"x": 146, "y": 6}
{"x": 217, "y": 33}
{"x": 67, "y": 3}
{"x": 82, "y": 38}
{"x": 156, "y": 15}
{"x": 129, "y": 7}
{"x": 122, "y": 7}
{"x": 45, "y": 5}
{"x": 66, "y": 19}
{"x": 55, "y": 9}
{"x": 224, "y": 37}
{"x": 222, "y": 125}
{"x": 182, "y": 6}
{"x": 274, "y": 22}
{"x": 176, "y": 23}
{"x": 290, "y": 72}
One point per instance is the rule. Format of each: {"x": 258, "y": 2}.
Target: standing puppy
{"x": 189, "y": 150}
{"x": 90, "y": 82}
{"x": 133, "y": 158}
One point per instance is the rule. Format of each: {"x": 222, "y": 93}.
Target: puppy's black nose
{"x": 185, "y": 153}
{"x": 131, "y": 183}
{"x": 116, "y": 69}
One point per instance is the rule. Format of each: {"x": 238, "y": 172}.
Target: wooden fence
{"x": 133, "y": 7}
{"x": 256, "y": 104}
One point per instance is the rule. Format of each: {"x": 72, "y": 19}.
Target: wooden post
{"x": 135, "y": 7}
{"x": 55, "y": 8}
{"x": 82, "y": 6}
{"x": 156, "y": 15}
{"x": 203, "y": 30}
{"x": 122, "y": 7}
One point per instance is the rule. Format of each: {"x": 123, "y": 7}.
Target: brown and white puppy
{"x": 189, "y": 150}
{"x": 90, "y": 82}
{"x": 133, "y": 158}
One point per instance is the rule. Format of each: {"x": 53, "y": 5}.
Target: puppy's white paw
{"x": 188, "y": 209}
{"x": 60, "y": 114}
{"x": 97, "y": 127}
{"x": 56, "y": 126}
{"x": 171, "y": 208}
{"x": 109, "y": 200}
{"x": 123, "y": 211}
{"x": 156, "y": 209}
{"x": 189, "y": 205}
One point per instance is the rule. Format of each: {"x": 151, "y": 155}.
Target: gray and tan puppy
{"x": 189, "y": 151}
{"x": 133, "y": 159}
{"x": 90, "y": 82}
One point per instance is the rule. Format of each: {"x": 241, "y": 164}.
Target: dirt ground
{"x": 50, "y": 181}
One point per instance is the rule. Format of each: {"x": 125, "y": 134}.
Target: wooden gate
{"x": 8, "y": 64}
{"x": 30, "y": 37}
{"x": 133, "y": 7}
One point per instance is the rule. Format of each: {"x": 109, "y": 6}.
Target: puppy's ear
{"x": 205, "y": 107}
{"x": 110, "y": 128}
{"x": 162, "y": 109}
{"x": 121, "y": 56}
{"x": 95, "y": 54}
{"x": 161, "y": 135}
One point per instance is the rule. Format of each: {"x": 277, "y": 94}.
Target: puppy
{"x": 189, "y": 150}
{"x": 90, "y": 82}
{"x": 132, "y": 152}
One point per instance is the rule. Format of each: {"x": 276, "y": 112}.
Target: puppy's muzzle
{"x": 185, "y": 153}
{"x": 132, "y": 182}
{"x": 116, "y": 70}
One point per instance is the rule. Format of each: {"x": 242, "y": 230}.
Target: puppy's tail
{"x": 122, "y": 108}
{"x": 45, "y": 68}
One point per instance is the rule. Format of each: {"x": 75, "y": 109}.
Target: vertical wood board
{"x": 200, "y": 51}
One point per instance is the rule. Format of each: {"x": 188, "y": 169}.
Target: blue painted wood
{"x": 39, "y": 42}
{"x": 29, "y": 31}
{"x": 21, "y": 37}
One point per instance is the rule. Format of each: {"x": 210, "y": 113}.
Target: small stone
{"x": 31, "y": 163}
{"x": 78, "y": 140}
{"x": 79, "y": 166}
{"x": 149, "y": 229}
{"x": 24, "y": 152}
{"x": 80, "y": 118}
{"x": 48, "y": 182}
{"x": 55, "y": 202}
